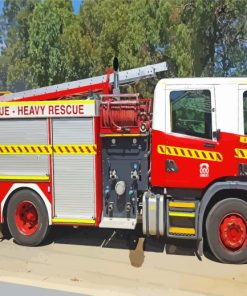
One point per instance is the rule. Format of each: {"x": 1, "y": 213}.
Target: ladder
{"x": 94, "y": 84}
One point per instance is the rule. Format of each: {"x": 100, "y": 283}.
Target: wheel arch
{"x": 215, "y": 193}
{"x": 17, "y": 187}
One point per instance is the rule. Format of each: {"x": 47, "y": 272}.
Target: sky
{"x": 1, "y": 5}
{"x": 76, "y": 5}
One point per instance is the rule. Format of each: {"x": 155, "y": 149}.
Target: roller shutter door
{"x": 74, "y": 175}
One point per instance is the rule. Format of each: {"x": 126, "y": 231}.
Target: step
{"x": 118, "y": 223}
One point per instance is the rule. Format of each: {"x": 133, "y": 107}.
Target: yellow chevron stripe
{"x": 190, "y": 153}
{"x": 48, "y": 149}
{"x": 243, "y": 139}
{"x": 240, "y": 153}
{"x": 74, "y": 149}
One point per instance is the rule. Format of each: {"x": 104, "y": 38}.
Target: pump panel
{"x": 125, "y": 172}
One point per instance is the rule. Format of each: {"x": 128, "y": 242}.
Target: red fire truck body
{"x": 81, "y": 153}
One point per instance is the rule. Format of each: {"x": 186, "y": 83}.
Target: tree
{"x": 124, "y": 28}
{"x": 17, "y": 14}
{"x": 48, "y": 44}
{"x": 219, "y": 32}
{"x": 3, "y": 59}
{"x": 46, "y": 51}
{"x": 3, "y": 72}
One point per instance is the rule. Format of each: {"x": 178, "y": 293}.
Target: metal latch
{"x": 171, "y": 166}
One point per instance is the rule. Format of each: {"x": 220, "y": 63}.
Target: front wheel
{"x": 226, "y": 229}
{"x": 27, "y": 218}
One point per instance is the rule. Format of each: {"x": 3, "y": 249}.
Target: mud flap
{"x": 199, "y": 249}
{"x": 1, "y": 232}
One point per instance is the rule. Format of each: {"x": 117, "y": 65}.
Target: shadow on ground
{"x": 122, "y": 239}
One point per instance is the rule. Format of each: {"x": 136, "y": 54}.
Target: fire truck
{"x": 4, "y": 92}
{"x": 84, "y": 154}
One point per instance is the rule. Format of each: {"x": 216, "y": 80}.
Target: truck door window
{"x": 245, "y": 111}
{"x": 191, "y": 113}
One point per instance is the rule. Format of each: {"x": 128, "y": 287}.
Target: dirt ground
{"x": 101, "y": 262}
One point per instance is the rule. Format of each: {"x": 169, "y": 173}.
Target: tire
{"x": 27, "y": 218}
{"x": 226, "y": 230}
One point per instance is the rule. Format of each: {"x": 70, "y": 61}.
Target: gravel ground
{"x": 101, "y": 262}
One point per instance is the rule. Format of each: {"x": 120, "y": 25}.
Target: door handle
{"x": 171, "y": 166}
{"x": 209, "y": 145}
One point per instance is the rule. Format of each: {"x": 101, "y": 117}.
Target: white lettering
{"x": 64, "y": 108}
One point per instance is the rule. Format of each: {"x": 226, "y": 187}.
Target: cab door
{"x": 186, "y": 153}
{"x": 241, "y": 147}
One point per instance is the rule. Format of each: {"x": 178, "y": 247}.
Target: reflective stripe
{"x": 190, "y": 153}
{"x": 179, "y": 214}
{"x": 32, "y": 178}
{"x": 243, "y": 139}
{"x": 48, "y": 149}
{"x": 177, "y": 204}
{"x": 240, "y": 153}
{"x": 181, "y": 230}
{"x": 73, "y": 221}
{"x": 74, "y": 149}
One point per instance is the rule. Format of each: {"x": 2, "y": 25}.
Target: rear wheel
{"x": 226, "y": 228}
{"x": 27, "y": 218}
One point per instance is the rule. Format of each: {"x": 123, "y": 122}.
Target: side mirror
{"x": 216, "y": 135}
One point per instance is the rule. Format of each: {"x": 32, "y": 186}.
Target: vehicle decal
{"x": 204, "y": 170}
{"x": 241, "y": 153}
{"x": 48, "y": 149}
{"x": 190, "y": 153}
{"x": 243, "y": 139}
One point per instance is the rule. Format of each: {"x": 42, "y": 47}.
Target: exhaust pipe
{"x": 116, "y": 89}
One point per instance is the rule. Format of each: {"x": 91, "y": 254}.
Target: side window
{"x": 191, "y": 113}
{"x": 245, "y": 111}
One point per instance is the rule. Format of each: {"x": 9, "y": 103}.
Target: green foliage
{"x": 218, "y": 31}
{"x": 46, "y": 50}
{"x": 3, "y": 72}
{"x": 127, "y": 29}
{"x": 17, "y": 14}
{"x": 47, "y": 43}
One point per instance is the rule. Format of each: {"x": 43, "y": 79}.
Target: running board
{"x": 118, "y": 223}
